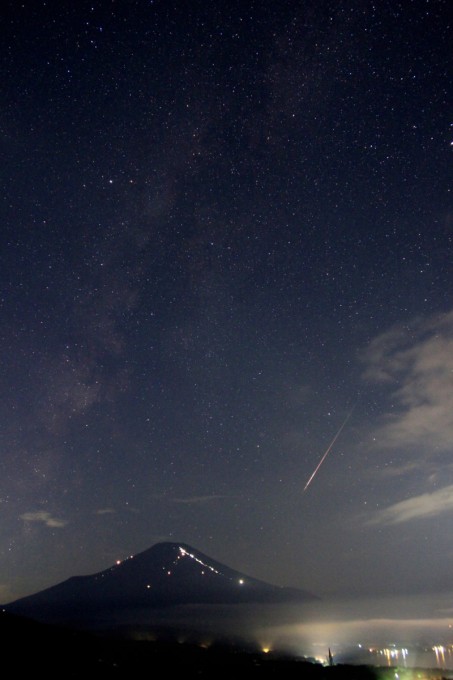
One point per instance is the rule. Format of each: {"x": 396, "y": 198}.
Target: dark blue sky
{"x": 223, "y": 226}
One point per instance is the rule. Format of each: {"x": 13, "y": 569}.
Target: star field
{"x": 224, "y": 226}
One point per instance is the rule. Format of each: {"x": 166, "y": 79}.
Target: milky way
{"x": 220, "y": 222}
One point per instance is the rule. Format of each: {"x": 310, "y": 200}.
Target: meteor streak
{"x": 328, "y": 450}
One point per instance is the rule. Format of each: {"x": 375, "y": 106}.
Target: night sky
{"x": 226, "y": 229}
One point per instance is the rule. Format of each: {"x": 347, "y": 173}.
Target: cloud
{"x": 194, "y": 500}
{"x": 426, "y": 505}
{"x": 398, "y": 470}
{"x": 188, "y": 500}
{"x": 416, "y": 362}
{"x": 44, "y": 517}
{"x": 105, "y": 511}
{"x": 5, "y": 592}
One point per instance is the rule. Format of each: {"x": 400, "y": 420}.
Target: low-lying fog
{"x": 411, "y": 631}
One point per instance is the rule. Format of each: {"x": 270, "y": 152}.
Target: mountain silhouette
{"x": 167, "y": 574}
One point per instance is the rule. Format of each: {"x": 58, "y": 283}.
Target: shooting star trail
{"x": 328, "y": 450}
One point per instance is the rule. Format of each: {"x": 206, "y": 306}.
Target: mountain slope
{"x": 166, "y": 574}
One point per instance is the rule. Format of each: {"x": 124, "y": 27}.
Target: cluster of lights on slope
{"x": 185, "y": 553}
{"x": 110, "y": 569}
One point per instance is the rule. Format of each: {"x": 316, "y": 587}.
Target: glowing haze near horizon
{"x": 222, "y": 226}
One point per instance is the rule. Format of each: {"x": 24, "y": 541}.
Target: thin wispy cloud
{"x": 425, "y": 505}
{"x": 5, "y": 592}
{"x": 395, "y": 470}
{"x": 196, "y": 500}
{"x": 45, "y": 518}
{"x": 416, "y": 361}
{"x": 188, "y": 500}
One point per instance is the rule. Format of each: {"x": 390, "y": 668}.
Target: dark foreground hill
{"x": 30, "y": 648}
{"x": 166, "y": 575}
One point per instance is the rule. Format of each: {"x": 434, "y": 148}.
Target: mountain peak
{"x": 166, "y": 574}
